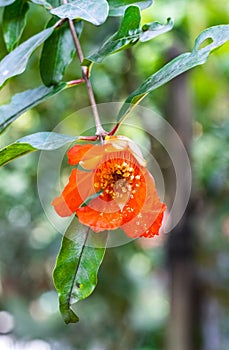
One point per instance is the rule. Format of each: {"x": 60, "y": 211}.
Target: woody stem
{"x": 100, "y": 132}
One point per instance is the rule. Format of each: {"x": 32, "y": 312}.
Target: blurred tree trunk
{"x": 184, "y": 309}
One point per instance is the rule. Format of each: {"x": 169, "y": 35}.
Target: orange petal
{"x": 107, "y": 215}
{"x": 155, "y": 227}
{"x": 92, "y": 157}
{"x": 76, "y": 153}
{"x": 145, "y": 224}
{"x": 61, "y": 207}
{"x": 123, "y": 143}
{"x": 135, "y": 204}
{"x": 148, "y": 220}
{"x": 71, "y": 199}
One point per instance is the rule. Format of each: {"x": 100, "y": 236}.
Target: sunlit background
{"x": 171, "y": 292}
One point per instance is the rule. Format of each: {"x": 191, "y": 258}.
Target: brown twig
{"x": 100, "y": 132}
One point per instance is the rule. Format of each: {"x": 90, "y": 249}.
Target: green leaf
{"x": 15, "y": 62}
{"x": 218, "y": 34}
{"x": 128, "y": 35}
{"x": 151, "y": 30}
{"x": 4, "y": 3}
{"x": 95, "y": 12}
{"x": 131, "y": 22}
{"x": 14, "y": 151}
{"x": 55, "y": 3}
{"x": 77, "y": 265}
{"x": 13, "y": 23}
{"x": 23, "y": 101}
{"x": 57, "y": 53}
{"x": 118, "y": 7}
{"x": 44, "y": 3}
{"x": 46, "y": 141}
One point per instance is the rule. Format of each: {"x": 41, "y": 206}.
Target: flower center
{"x": 118, "y": 180}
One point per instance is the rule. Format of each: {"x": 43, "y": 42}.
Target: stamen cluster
{"x": 117, "y": 179}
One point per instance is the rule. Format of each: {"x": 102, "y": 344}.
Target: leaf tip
{"x": 69, "y": 316}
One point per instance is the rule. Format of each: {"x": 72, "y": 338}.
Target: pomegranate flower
{"x": 111, "y": 188}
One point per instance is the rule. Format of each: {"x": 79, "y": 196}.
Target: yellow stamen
{"x": 117, "y": 180}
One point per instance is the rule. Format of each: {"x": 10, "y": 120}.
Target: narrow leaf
{"x": 55, "y": 3}
{"x": 218, "y": 34}
{"x": 44, "y": 3}
{"x": 95, "y": 12}
{"x": 77, "y": 265}
{"x": 57, "y": 53}
{"x": 15, "y": 62}
{"x": 13, "y": 24}
{"x": 23, "y": 101}
{"x": 14, "y": 151}
{"x": 46, "y": 141}
{"x": 4, "y": 3}
{"x": 151, "y": 30}
{"x": 118, "y": 7}
{"x": 128, "y": 35}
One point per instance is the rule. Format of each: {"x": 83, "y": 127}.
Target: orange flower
{"x": 111, "y": 188}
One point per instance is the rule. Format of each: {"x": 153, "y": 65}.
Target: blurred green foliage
{"x": 130, "y": 307}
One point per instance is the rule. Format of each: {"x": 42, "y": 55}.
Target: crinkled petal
{"x": 92, "y": 157}
{"x": 135, "y": 204}
{"x": 153, "y": 230}
{"x": 106, "y": 216}
{"x": 71, "y": 199}
{"x": 148, "y": 218}
{"x": 146, "y": 224}
{"x": 122, "y": 143}
{"x": 76, "y": 153}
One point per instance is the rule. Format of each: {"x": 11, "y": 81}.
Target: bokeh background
{"x": 168, "y": 293}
